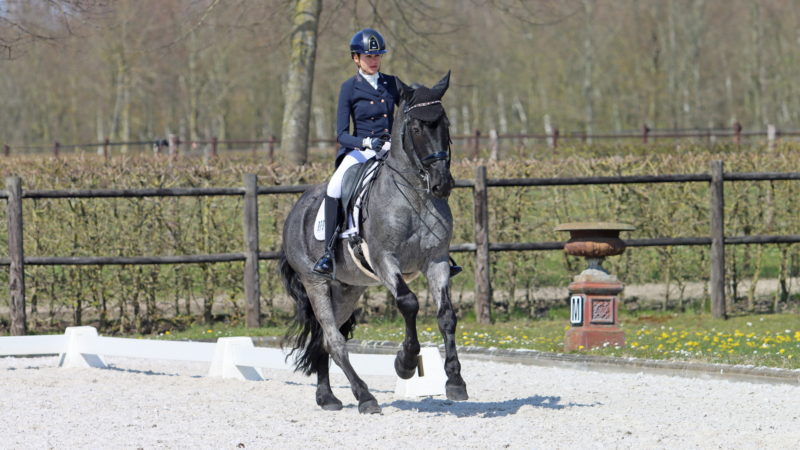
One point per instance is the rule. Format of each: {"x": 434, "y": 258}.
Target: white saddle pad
{"x": 352, "y": 219}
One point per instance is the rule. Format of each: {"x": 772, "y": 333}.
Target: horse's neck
{"x": 400, "y": 173}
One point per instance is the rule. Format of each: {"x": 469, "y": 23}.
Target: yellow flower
{"x": 428, "y": 329}
{"x": 209, "y": 331}
{"x": 167, "y": 332}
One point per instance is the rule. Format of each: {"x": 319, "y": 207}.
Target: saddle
{"x": 356, "y": 184}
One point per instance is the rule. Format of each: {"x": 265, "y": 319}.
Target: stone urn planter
{"x": 594, "y": 301}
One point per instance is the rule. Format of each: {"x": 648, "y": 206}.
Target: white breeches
{"x": 351, "y": 159}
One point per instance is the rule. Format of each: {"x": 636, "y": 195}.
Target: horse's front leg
{"x": 405, "y": 364}
{"x": 438, "y": 275}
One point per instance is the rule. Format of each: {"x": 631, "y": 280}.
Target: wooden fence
{"x": 470, "y": 143}
{"x": 482, "y": 247}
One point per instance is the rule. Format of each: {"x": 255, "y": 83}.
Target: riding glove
{"x": 373, "y": 143}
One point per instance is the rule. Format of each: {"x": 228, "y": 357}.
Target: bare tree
{"x": 297, "y": 109}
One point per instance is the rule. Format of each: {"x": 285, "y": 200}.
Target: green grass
{"x": 760, "y": 340}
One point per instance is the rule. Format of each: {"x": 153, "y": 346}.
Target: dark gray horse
{"x": 407, "y": 227}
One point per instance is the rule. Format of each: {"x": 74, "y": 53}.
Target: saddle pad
{"x": 352, "y": 216}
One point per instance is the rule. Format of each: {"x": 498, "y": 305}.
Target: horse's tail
{"x": 305, "y": 333}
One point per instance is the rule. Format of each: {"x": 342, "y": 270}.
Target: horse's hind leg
{"x": 334, "y": 343}
{"x": 439, "y": 280}
{"x": 325, "y": 397}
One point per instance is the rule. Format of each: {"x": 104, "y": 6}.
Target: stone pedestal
{"x": 594, "y": 292}
{"x": 593, "y": 315}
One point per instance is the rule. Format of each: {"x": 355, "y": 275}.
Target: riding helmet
{"x": 367, "y": 42}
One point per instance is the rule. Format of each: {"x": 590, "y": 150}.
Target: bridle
{"x": 424, "y": 164}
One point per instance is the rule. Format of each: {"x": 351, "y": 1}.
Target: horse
{"x": 407, "y": 227}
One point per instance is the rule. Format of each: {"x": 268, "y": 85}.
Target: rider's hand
{"x": 373, "y": 143}
{"x": 386, "y": 146}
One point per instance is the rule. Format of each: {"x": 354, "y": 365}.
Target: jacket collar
{"x": 363, "y": 85}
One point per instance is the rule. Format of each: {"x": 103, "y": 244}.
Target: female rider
{"x": 368, "y": 98}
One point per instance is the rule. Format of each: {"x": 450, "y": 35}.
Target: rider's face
{"x": 369, "y": 64}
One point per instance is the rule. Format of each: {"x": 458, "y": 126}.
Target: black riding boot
{"x": 324, "y": 266}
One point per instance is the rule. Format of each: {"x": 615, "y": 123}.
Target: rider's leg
{"x": 332, "y": 216}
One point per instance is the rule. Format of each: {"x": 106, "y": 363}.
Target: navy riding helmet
{"x": 367, "y": 42}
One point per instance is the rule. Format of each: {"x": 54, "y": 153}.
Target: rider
{"x": 368, "y": 98}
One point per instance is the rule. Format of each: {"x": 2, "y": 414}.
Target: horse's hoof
{"x": 402, "y": 371}
{"x": 456, "y": 392}
{"x": 329, "y": 403}
{"x": 369, "y": 407}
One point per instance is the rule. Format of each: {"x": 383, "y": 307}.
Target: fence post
{"x": 483, "y": 285}
{"x": 16, "y": 273}
{"x": 252, "y": 288}
{"x": 645, "y": 133}
{"x": 476, "y": 150}
{"x": 556, "y": 134}
{"x": 494, "y": 145}
{"x": 272, "y": 148}
{"x": 737, "y": 133}
{"x": 106, "y": 145}
{"x": 6, "y": 150}
{"x": 56, "y": 149}
{"x": 173, "y": 147}
{"x": 717, "y": 241}
{"x": 214, "y": 143}
{"x": 771, "y": 133}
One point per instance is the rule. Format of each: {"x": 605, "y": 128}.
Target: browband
{"x": 419, "y": 105}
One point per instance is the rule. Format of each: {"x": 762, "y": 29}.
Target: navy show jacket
{"x": 372, "y": 111}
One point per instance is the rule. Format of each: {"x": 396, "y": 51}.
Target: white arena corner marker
{"x": 223, "y": 364}
{"x": 73, "y": 355}
{"x": 432, "y": 380}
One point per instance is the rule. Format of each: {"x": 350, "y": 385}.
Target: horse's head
{"x": 425, "y": 136}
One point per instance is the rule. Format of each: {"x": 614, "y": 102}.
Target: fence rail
{"x": 470, "y": 142}
{"x": 481, "y": 246}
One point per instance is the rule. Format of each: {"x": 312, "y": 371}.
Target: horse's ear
{"x": 442, "y": 85}
{"x": 405, "y": 91}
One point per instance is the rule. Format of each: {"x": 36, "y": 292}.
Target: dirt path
{"x": 166, "y": 404}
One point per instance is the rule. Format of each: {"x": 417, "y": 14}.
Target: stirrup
{"x": 324, "y": 266}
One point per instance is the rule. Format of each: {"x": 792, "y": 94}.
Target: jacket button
{"x": 383, "y": 101}
{"x": 385, "y": 115}
{"x": 386, "y": 130}
{"x": 372, "y": 102}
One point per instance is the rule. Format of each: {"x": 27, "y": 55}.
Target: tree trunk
{"x": 588, "y": 68}
{"x": 297, "y": 110}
